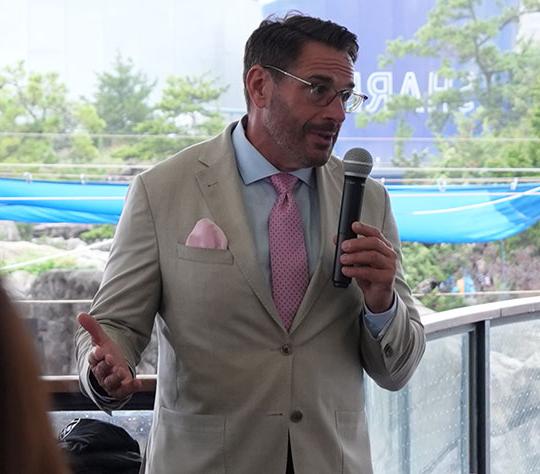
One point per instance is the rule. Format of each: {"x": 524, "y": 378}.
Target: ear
{"x": 259, "y": 86}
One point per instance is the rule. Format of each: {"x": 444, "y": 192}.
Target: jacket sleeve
{"x": 129, "y": 295}
{"x": 391, "y": 359}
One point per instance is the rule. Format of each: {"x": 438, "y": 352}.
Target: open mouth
{"x": 323, "y": 137}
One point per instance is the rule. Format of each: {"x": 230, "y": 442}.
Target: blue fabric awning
{"x": 428, "y": 214}
{"x": 464, "y": 213}
{"x": 61, "y": 201}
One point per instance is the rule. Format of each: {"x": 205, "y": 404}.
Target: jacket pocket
{"x": 354, "y": 442}
{"x": 197, "y": 254}
{"x": 188, "y": 444}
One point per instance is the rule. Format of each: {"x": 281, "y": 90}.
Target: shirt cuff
{"x": 378, "y": 322}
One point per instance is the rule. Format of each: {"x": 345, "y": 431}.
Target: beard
{"x": 292, "y": 137}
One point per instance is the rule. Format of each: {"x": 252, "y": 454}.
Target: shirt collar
{"x": 253, "y": 166}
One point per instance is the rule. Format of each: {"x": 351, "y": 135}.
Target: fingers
{"x": 372, "y": 248}
{"x": 376, "y": 259}
{"x": 370, "y": 259}
{"x": 107, "y": 362}
{"x": 116, "y": 379}
{"x": 367, "y": 230}
{"x": 97, "y": 355}
{"x": 93, "y": 328}
{"x": 371, "y": 233}
{"x": 128, "y": 387}
{"x": 368, "y": 275}
{"x": 120, "y": 383}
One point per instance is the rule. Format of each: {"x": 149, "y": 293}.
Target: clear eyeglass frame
{"x": 322, "y": 94}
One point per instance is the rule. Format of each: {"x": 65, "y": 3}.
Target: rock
{"x": 18, "y": 284}
{"x": 60, "y": 230}
{"x": 14, "y": 254}
{"x": 62, "y": 243}
{"x": 22, "y": 255}
{"x": 53, "y": 324}
{"x": 9, "y": 231}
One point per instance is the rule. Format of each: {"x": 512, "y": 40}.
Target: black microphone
{"x": 358, "y": 163}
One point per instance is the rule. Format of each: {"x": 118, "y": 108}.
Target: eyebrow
{"x": 328, "y": 79}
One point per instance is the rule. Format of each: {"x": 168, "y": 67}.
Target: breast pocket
{"x": 202, "y": 285}
{"x": 202, "y": 255}
{"x": 188, "y": 444}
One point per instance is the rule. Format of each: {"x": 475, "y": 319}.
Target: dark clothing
{"x": 290, "y": 466}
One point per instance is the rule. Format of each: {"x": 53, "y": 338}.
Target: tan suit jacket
{"x": 232, "y": 383}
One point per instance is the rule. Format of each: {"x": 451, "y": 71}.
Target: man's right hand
{"x": 107, "y": 362}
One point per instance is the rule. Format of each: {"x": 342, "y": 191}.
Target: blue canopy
{"x": 464, "y": 213}
{"x": 429, "y": 214}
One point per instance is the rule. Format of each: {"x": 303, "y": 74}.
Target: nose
{"x": 335, "y": 110}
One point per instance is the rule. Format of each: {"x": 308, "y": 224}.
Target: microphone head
{"x": 358, "y": 163}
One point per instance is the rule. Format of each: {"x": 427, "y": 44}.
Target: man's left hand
{"x": 371, "y": 260}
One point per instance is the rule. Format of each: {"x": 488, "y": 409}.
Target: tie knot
{"x": 283, "y": 182}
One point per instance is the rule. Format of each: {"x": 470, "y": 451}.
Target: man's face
{"x": 300, "y": 133}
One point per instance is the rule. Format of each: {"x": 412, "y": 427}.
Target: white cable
{"x": 62, "y": 198}
{"x": 81, "y": 250}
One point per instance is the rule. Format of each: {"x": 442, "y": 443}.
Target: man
{"x": 261, "y": 358}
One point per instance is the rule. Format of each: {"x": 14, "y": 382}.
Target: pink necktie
{"x": 288, "y": 256}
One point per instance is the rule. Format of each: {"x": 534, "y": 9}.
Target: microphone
{"x": 358, "y": 163}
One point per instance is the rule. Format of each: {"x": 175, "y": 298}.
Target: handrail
{"x": 434, "y": 323}
{"x": 453, "y": 318}
{"x": 70, "y": 383}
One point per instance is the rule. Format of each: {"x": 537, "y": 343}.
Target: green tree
{"x": 32, "y": 107}
{"x": 122, "y": 97}
{"x": 185, "y": 114}
{"x": 85, "y": 147}
{"x": 40, "y": 124}
{"x": 493, "y": 108}
{"x": 497, "y": 81}
{"x": 428, "y": 267}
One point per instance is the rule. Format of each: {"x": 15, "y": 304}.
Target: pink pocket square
{"x": 207, "y": 235}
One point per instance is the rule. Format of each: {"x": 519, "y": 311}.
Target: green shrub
{"x": 99, "y": 232}
{"x": 64, "y": 263}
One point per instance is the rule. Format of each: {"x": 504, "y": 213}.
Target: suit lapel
{"x": 329, "y": 185}
{"x": 221, "y": 185}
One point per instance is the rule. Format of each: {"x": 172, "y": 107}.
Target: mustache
{"x": 327, "y": 127}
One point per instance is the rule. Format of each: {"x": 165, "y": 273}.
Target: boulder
{"x": 67, "y": 231}
{"x": 9, "y": 231}
{"x": 54, "y": 323}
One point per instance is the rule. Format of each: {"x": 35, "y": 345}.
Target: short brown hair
{"x": 279, "y": 41}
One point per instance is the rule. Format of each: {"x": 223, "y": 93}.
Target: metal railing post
{"x": 480, "y": 431}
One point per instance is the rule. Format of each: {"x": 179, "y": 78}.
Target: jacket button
{"x": 388, "y": 351}
{"x": 286, "y": 349}
{"x": 296, "y": 416}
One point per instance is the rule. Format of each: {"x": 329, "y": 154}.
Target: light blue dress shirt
{"x": 259, "y": 197}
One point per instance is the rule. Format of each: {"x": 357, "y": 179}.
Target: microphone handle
{"x": 351, "y": 207}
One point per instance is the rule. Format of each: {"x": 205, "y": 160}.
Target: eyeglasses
{"x": 323, "y": 94}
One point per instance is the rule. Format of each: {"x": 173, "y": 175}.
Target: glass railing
{"x": 473, "y": 405}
